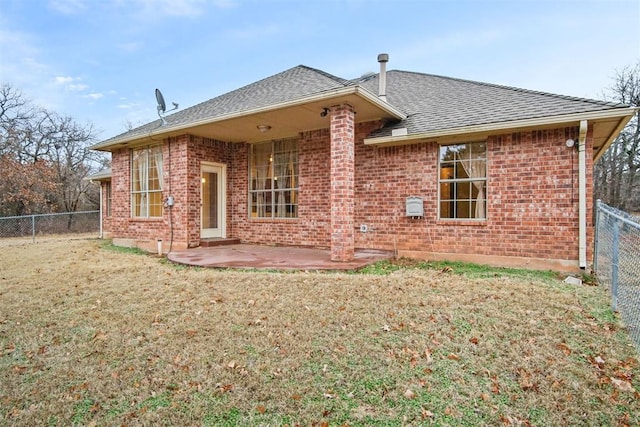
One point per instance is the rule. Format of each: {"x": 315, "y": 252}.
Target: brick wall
{"x": 312, "y": 227}
{"x": 342, "y": 172}
{"x": 182, "y": 156}
{"x": 532, "y": 197}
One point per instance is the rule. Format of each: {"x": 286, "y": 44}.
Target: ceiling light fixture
{"x": 263, "y": 128}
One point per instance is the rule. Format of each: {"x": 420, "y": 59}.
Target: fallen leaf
{"x": 261, "y": 409}
{"x": 565, "y": 348}
{"x": 624, "y": 386}
{"x": 427, "y": 414}
{"x": 296, "y": 397}
{"x": 453, "y": 356}
{"x": 191, "y": 332}
{"x": 100, "y": 336}
{"x": 427, "y": 355}
{"x": 10, "y": 348}
{"x": 386, "y": 328}
{"x": 495, "y": 386}
{"x": 474, "y": 340}
{"x": 409, "y": 394}
{"x": 225, "y": 388}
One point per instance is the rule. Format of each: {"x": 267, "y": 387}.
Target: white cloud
{"x": 225, "y": 4}
{"x": 68, "y": 7}
{"x": 19, "y": 64}
{"x": 71, "y": 84}
{"x": 94, "y": 95}
{"x": 166, "y": 8}
{"x": 64, "y": 80}
{"x": 128, "y": 105}
{"x": 77, "y": 87}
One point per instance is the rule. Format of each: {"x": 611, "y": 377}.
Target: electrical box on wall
{"x": 414, "y": 206}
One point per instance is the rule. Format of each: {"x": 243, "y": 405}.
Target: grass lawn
{"x": 94, "y": 336}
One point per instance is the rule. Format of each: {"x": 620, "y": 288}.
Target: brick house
{"x": 428, "y": 166}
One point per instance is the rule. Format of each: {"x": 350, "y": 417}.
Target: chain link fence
{"x": 617, "y": 263}
{"x": 32, "y": 226}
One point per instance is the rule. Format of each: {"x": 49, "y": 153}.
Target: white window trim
{"x": 485, "y": 180}
{"x": 147, "y": 192}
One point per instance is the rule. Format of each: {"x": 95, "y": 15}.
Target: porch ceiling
{"x": 287, "y": 121}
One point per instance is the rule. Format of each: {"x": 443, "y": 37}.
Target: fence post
{"x": 596, "y": 238}
{"x": 33, "y": 228}
{"x": 614, "y": 266}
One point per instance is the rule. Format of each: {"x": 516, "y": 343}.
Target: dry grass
{"x": 91, "y": 336}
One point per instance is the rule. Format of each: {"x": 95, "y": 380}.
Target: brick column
{"x": 342, "y": 182}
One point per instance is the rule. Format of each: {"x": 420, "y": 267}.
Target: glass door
{"x": 212, "y": 201}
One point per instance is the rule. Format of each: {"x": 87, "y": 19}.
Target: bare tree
{"x": 14, "y": 110}
{"x": 617, "y": 173}
{"x": 35, "y": 139}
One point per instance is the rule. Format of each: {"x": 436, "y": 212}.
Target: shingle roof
{"x": 294, "y": 83}
{"x": 430, "y": 102}
{"x": 435, "y": 103}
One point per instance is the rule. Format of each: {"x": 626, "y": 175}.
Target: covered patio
{"x": 273, "y": 257}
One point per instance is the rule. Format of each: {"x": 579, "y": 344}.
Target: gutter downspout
{"x": 100, "y": 210}
{"x": 582, "y": 195}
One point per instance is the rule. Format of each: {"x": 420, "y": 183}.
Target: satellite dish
{"x": 162, "y": 106}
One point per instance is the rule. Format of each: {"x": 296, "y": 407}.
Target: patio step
{"x": 217, "y": 241}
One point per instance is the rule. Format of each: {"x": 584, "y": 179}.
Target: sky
{"x": 100, "y": 61}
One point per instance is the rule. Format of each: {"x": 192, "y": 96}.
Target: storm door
{"x": 212, "y": 197}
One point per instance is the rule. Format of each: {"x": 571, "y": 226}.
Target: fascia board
{"x": 488, "y": 128}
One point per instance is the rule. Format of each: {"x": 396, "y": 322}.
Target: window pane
{"x": 447, "y": 209}
{"x": 155, "y": 204}
{"x": 273, "y": 174}
{"x": 146, "y": 182}
{"x": 463, "y": 181}
{"x": 261, "y": 159}
{"x": 136, "y": 201}
{"x": 463, "y": 209}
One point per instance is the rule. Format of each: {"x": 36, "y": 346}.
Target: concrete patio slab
{"x": 273, "y": 257}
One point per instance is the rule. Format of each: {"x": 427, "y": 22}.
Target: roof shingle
{"x": 291, "y": 84}
{"x": 431, "y": 102}
{"x": 437, "y": 103}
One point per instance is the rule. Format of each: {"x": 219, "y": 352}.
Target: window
{"x": 107, "y": 191}
{"x": 146, "y": 182}
{"x": 273, "y": 177}
{"x": 463, "y": 179}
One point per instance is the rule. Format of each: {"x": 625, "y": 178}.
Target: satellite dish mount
{"x": 162, "y": 106}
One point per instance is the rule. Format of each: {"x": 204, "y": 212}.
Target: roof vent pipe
{"x": 383, "y": 58}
